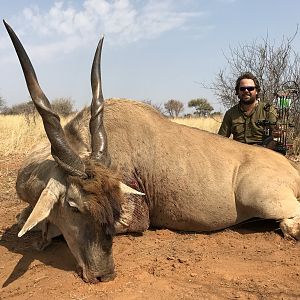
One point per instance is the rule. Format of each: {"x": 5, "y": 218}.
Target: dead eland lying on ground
{"x": 181, "y": 178}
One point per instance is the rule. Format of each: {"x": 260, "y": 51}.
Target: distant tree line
{"x": 173, "y": 108}
{"x": 62, "y": 106}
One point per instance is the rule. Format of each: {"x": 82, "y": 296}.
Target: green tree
{"x": 174, "y": 107}
{"x": 202, "y": 107}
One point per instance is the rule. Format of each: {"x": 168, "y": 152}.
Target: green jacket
{"x": 245, "y": 128}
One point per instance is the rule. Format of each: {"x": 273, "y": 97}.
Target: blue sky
{"x": 153, "y": 50}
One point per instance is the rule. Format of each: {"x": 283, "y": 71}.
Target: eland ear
{"x": 44, "y": 205}
{"x": 128, "y": 190}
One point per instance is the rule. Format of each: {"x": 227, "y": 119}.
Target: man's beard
{"x": 248, "y": 101}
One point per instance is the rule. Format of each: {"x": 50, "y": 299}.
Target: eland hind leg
{"x": 287, "y": 211}
{"x": 281, "y": 204}
{"x": 291, "y": 227}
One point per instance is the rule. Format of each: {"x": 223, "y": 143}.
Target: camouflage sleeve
{"x": 225, "y": 129}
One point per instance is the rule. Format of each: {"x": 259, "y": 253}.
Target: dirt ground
{"x": 252, "y": 261}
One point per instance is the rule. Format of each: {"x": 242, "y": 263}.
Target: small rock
{"x": 170, "y": 258}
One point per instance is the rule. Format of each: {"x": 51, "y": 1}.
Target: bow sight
{"x": 279, "y": 134}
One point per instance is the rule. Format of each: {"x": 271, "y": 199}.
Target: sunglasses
{"x": 248, "y": 88}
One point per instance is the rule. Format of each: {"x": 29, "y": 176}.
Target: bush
{"x": 63, "y": 106}
{"x": 174, "y": 107}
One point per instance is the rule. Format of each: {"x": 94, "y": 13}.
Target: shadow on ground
{"x": 23, "y": 246}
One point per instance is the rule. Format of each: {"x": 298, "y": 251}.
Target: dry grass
{"x": 18, "y": 134}
{"x": 208, "y": 124}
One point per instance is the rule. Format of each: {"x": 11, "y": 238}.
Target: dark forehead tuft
{"x": 103, "y": 196}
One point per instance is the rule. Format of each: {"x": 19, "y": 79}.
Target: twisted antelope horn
{"x": 97, "y": 130}
{"x": 60, "y": 149}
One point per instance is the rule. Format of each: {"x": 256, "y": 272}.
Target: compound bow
{"x": 281, "y": 133}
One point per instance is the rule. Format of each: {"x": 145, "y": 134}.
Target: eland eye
{"x": 73, "y": 206}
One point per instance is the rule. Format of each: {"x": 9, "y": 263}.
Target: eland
{"x": 120, "y": 166}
